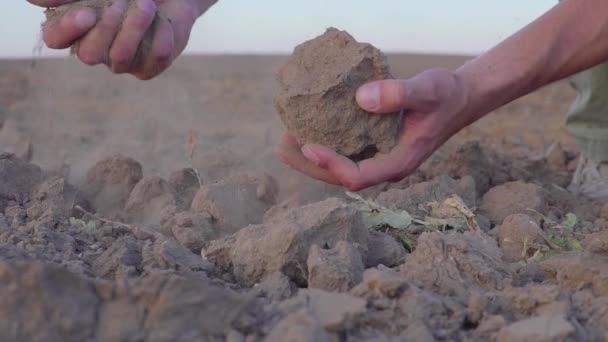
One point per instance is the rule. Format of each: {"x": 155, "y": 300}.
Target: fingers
{"x": 50, "y": 3}
{"x": 60, "y": 34}
{"x": 289, "y": 152}
{"x": 135, "y": 25}
{"x": 359, "y": 176}
{"x": 161, "y": 53}
{"x": 389, "y": 96}
{"x": 93, "y": 48}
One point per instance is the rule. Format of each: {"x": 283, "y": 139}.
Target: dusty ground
{"x": 105, "y": 236}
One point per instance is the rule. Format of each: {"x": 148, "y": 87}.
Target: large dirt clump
{"x": 316, "y": 101}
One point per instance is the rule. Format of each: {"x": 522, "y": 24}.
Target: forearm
{"x": 571, "y": 37}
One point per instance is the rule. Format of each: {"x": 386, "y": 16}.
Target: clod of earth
{"x": 238, "y": 201}
{"x": 109, "y": 182}
{"x": 54, "y": 16}
{"x": 316, "y": 100}
{"x": 283, "y": 242}
{"x": 148, "y": 198}
{"x": 336, "y": 269}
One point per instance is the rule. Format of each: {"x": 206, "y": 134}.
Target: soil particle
{"x": 276, "y": 287}
{"x": 316, "y": 101}
{"x": 333, "y": 310}
{"x": 193, "y": 230}
{"x": 512, "y": 198}
{"x": 168, "y": 254}
{"x": 13, "y": 140}
{"x": 17, "y": 179}
{"x": 300, "y": 326}
{"x": 238, "y": 201}
{"x": 516, "y": 232}
{"x": 577, "y": 270}
{"x": 471, "y": 159}
{"x": 383, "y": 249}
{"x": 455, "y": 264}
{"x": 147, "y": 200}
{"x": 108, "y": 183}
{"x": 282, "y": 243}
{"x": 123, "y": 259}
{"x": 186, "y": 184}
{"x": 336, "y": 269}
{"x": 538, "y": 329}
{"x": 415, "y": 198}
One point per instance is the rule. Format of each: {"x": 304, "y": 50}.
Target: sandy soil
{"x": 104, "y": 236}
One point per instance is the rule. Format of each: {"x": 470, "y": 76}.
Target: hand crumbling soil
{"x": 316, "y": 100}
{"x": 55, "y": 14}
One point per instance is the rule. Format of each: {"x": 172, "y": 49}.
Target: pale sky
{"x": 276, "y": 26}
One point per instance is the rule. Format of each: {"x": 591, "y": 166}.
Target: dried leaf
{"x": 375, "y": 215}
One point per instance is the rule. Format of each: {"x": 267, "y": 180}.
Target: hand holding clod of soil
{"x": 316, "y": 101}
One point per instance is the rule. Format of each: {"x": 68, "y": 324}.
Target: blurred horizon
{"x": 273, "y": 27}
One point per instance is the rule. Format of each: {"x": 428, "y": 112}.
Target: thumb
{"x": 389, "y": 96}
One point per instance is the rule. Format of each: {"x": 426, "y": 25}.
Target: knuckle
{"x": 121, "y": 56}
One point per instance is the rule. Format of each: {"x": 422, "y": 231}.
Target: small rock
{"x": 186, "y": 184}
{"x": 415, "y": 198}
{"x": 336, "y": 269}
{"x": 276, "y": 287}
{"x": 147, "y": 200}
{"x": 108, "y": 184}
{"x": 512, "y": 198}
{"x": 537, "y": 329}
{"x": 237, "y": 202}
{"x": 383, "y": 249}
{"x": 517, "y": 231}
{"x": 301, "y": 326}
{"x": 316, "y": 101}
{"x": 282, "y": 243}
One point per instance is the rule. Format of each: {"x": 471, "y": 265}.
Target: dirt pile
{"x": 228, "y": 267}
{"x": 316, "y": 101}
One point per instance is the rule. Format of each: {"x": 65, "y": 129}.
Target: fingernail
{"x": 368, "y": 97}
{"x": 146, "y": 6}
{"x": 310, "y": 155}
{"x": 85, "y": 18}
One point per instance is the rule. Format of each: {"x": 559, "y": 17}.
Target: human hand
{"x": 139, "y": 37}
{"x": 435, "y": 105}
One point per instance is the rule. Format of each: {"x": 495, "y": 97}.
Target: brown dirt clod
{"x": 316, "y": 101}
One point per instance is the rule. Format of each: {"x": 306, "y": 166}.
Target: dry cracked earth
{"x": 481, "y": 243}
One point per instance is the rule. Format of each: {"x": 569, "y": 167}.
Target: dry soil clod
{"x": 316, "y": 101}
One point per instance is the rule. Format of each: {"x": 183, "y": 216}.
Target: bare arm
{"x": 571, "y": 37}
